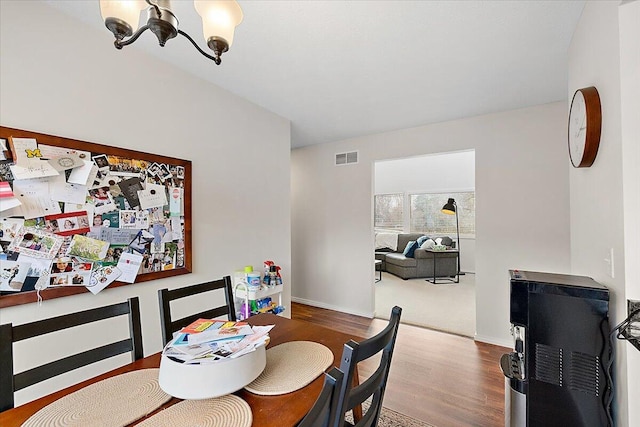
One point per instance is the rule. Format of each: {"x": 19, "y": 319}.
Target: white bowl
{"x": 210, "y": 380}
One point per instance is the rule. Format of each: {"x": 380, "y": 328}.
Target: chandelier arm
{"x": 215, "y": 59}
{"x": 121, "y": 43}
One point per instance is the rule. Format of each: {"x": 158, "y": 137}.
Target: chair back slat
{"x": 35, "y": 375}
{"x": 66, "y": 321}
{"x": 10, "y": 382}
{"x": 165, "y": 296}
{"x": 373, "y": 388}
{"x": 322, "y": 413}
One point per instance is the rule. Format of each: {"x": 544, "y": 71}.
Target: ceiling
{"x": 342, "y": 69}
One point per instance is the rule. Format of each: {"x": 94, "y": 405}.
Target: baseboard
{"x": 494, "y": 341}
{"x": 369, "y": 315}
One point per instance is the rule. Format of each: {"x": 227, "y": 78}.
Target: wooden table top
{"x": 283, "y": 410}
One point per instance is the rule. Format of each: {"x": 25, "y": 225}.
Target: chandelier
{"x": 219, "y": 20}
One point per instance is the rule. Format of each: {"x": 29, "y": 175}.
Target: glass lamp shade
{"x": 449, "y": 208}
{"x": 219, "y": 18}
{"x": 127, "y": 11}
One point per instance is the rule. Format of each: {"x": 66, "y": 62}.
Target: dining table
{"x": 279, "y": 410}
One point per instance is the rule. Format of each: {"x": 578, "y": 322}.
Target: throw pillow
{"x": 428, "y": 244}
{"x": 421, "y": 240}
{"x": 410, "y": 249}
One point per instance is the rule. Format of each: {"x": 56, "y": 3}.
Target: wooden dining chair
{"x": 352, "y": 393}
{"x": 323, "y": 411}
{"x": 10, "y": 382}
{"x": 165, "y": 297}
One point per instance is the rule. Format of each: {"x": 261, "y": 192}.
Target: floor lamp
{"x": 451, "y": 208}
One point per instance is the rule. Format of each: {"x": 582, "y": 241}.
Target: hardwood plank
{"x": 443, "y": 379}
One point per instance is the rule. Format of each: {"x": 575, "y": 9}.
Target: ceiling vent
{"x": 346, "y": 158}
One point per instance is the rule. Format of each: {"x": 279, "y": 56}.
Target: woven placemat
{"x": 223, "y": 411}
{"x": 291, "y": 366}
{"x": 115, "y": 401}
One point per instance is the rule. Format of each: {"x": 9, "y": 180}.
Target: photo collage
{"x": 104, "y": 218}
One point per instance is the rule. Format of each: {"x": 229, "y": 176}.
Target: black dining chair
{"x": 323, "y": 411}
{"x": 10, "y": 382}
{"x": 353, "y": 396}
{"x": 165, "y": 297}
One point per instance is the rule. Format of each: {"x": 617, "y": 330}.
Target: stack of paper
{"x": 208, "y": 341}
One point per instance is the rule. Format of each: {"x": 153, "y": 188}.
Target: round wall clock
{"x": 585, "y": 122}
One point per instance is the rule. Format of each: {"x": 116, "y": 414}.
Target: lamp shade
{"x": 450, "y": 207}
{"x": 127, "y": 11}
{"x": 219, "y": 18}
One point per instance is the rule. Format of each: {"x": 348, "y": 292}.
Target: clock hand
{"x": 582, "y": 127}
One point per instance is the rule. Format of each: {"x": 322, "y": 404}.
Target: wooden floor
{"x": 445, "y": 380}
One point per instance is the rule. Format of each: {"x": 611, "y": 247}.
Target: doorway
{"x": 398, "y": 185}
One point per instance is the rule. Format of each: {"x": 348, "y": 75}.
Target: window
{"x": 388, "y": 211}
{"x": 426, "y": 215}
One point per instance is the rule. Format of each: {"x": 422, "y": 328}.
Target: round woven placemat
{"x": 115, "y": 401}
{"x": 223, "y": 411}
{"x": 291, "y": 366}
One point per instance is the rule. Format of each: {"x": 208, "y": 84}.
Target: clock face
{"x": 577, "y": 128}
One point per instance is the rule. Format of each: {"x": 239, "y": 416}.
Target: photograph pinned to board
{"x": 104, "y": 179}
{"x": 36, "y": 243}
{"x": 12, "y": 275}
{"x": 102, "y": 200}
{"x": 121, "y": 166}
{"x": 88, "y": 248}
{"x": 111, "y": 219}
{"x": 68, "y": 224}
{"x": 134, "y": 219}
{"x": 38, "y": 266}
{"x": 101, "y": 161}
{"x": 70, "y": 272}
{"x": 113, "y": 254}
{"x": 9, "y": 228}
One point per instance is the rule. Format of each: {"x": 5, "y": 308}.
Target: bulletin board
{"x": 84, "y": 217}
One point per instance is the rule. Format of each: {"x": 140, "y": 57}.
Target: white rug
{"x": 447, "y": 307}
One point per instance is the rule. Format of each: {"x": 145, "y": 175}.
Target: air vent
{"x": 346, "y": 158}
{"x": 584, "y": 373}
{"x": 548, "y": 364}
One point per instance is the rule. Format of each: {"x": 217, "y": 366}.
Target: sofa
{"x": 420, "y": 264}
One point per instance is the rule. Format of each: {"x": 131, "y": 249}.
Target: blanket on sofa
{"x": 387, "y": 240}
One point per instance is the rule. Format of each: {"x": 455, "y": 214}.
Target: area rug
{"x": 448, "y": 307}
{"x": 389, "y": 418}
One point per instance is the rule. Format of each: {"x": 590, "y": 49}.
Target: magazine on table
{"x": 220, "y": 330}
{"x": 219, "y": 346}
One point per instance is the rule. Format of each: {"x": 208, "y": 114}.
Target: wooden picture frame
{"x": 181, "y": 168}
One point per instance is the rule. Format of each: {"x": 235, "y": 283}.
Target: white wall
{"x": 442, "y": 172}
{"x": 597, "y": 220}
{"x": 61, "y": 77}
{"x": 435, "y": 173}
{"x": 629, "y": 15}
{"x": 521, "y": 160}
